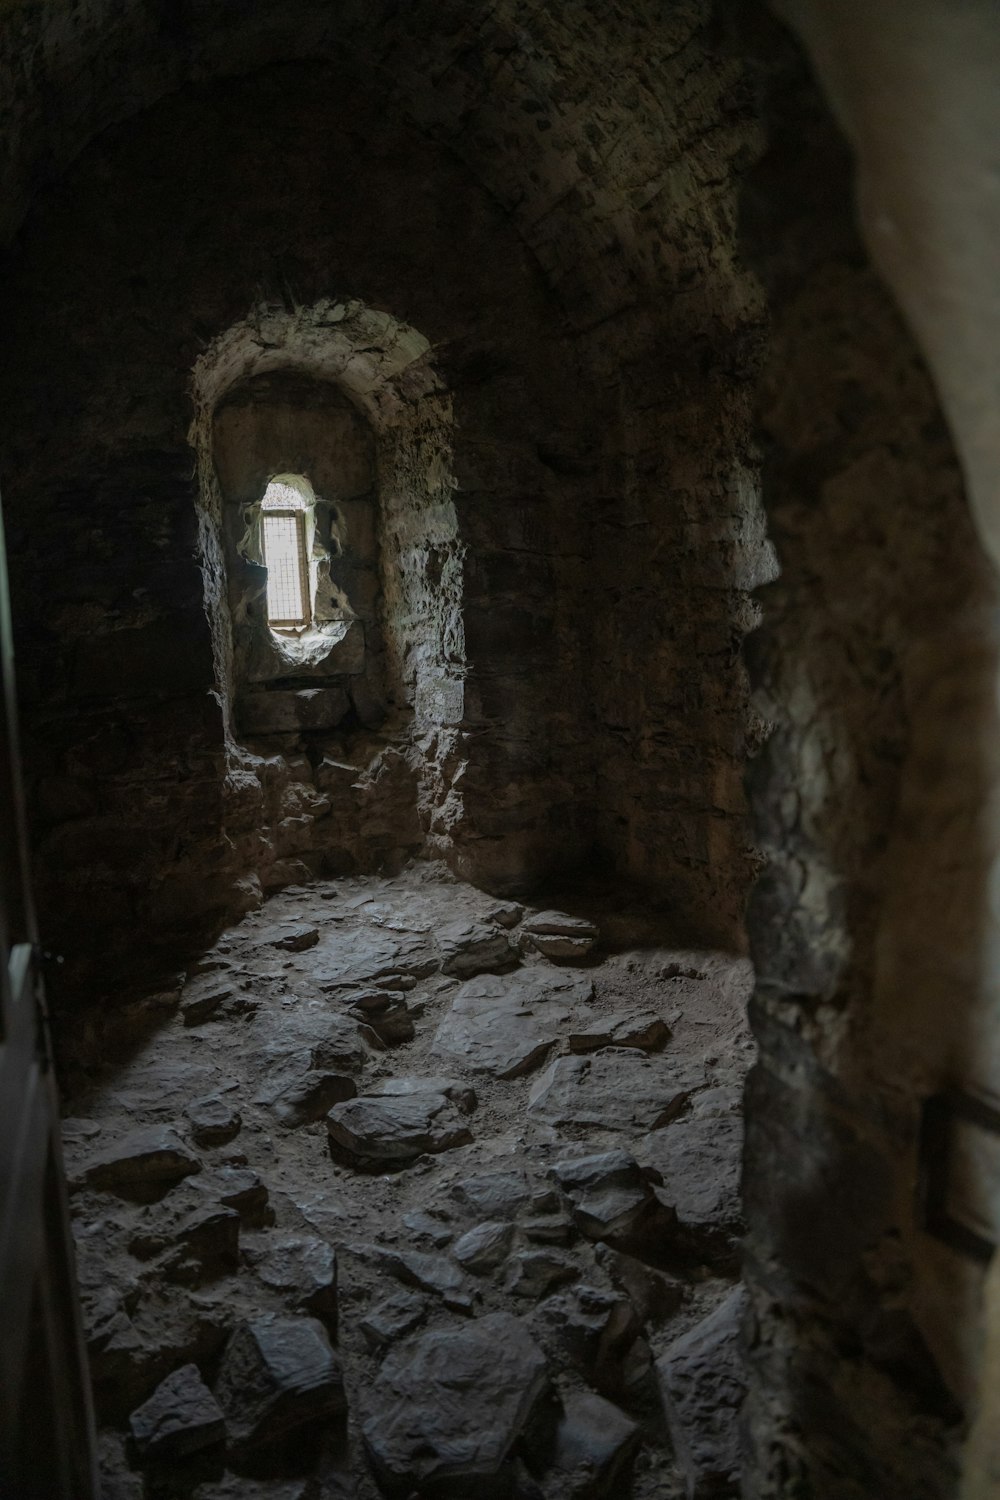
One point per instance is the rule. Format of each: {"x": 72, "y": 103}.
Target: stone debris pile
{"x": 419, "y": 1195}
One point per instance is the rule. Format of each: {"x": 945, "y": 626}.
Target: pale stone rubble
{"x": 491, "y": 1251}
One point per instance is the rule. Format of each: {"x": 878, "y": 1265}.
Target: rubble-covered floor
{"x": 416, "y": 1192}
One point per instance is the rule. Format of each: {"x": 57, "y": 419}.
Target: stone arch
{"x": 387, "y": 371}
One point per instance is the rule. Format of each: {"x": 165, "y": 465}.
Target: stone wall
{"x": 116, "y": 329}
{"x": 876, "y": 661}
{"x": 559, "y": 228}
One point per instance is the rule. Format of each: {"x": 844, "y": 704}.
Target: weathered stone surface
{"x": 700, "y": 1161}
{"x": 355, "y": 960}
{"x": 654, "y": 1295}
{"x": 180, "y": 1417}
{"x": 310, "y": 1096}
{"x": 239, "y": 1188}
{"x": 448, "y": 1407}
{"x": 142, "y": 1164}
{"x": 430, "y": 1273}
{"x": 461, "y": 1234}
{"x": 303, "y": 1269}
{"x": 118, "y": 1358}
{"x": 135, "y": 1339}
{"x": 338, "y": 1049}
{"x": 278, "y": 1374}
{"x": 470, "y": 947}
{"x": 393, "y": 1318}
{"x": 598, "y": 1332}
{"x": 506, "y": 1025}
{"x": 703, "y": 1383}
{"x": 646, "y": 1031}
{"x": 612, "y": 1200}
{"x": 535, "y": 1273}
{"x": 202, "y": 1237}
{"x": 558, "y": 935}
{"x": 296, "y": 937}
{"x": 550, "y": 1229}
{"x": 505, "y": 914}
{"x": 425, "y": 1226}
{"x": 290, "y": 712}
{"x": 493, "y": 1195}
{"x": 203, "y": 997}
{"x": 119, "y": 1481}
{"x": 482, "y": 1249}
{"x": 615, "y": 1089}
{"x": 377, "y": 1133}
{"x": 462, "y": 1095}
{"x": 386, "y": 1013}
{"x": 213, "y": 1121}
{"x": 595, "y": 1444}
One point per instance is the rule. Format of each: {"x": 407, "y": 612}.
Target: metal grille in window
{"x": 285, "y": 557}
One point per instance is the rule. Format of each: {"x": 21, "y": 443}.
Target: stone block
{"x": 303, "y": 1269}
{"x": 278, "y": 1375}
{"x": 703, "y": 1384}
{"x": 595, "y": 1445}
{"x": 181, "y": 1417}
{"x": 141, "y": 1165}
{"x": 291, "y": 711}
{"x": 375, "y": 1134}
{"x": 448, "y": 1407}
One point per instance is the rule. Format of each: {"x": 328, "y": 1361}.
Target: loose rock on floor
{"x": 416, "y": 1191}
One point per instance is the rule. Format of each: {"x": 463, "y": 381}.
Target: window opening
{"x": 284, "y": 547}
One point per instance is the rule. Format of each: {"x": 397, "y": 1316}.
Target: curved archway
{"x": 401, "y": 660}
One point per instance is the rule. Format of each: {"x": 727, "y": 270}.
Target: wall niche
{"x": 291, "y": 428}
{"x": 340, "y": 728}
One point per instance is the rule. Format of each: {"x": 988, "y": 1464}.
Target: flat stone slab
{"x": 703, "y": 1384}
{"x": 181, "y": 1417}
{"x": 144, "y": 1162}
{"x": 595, "y": 1445}
{"x": 646, "y": 1031}
{"x": 558, "y": 935}
{"x": 277, "y": 1374}
{"x": 505, "y": 1025}
{"x": 213, "y": 1121}
{"x": 204, "y": 995}
{"x": 393, "y": 1318}
{"x": 239, "y": 1188}
{"x": 471, "y": 947}
{"x": 430, "y": 1273}
{"x": 700, "y": 1161}
{"x": 351, "y": 960}
{"x": 202, "y": 1237}
{"x": 483, "y": 1248}
{"x": 615, "y": 1089}
{"x": 376, "y": 1133}
{"x": 611, "y": 1199}
{"x": 296, "y": 937}
{"x": 303, "y": 1268}
{"x": 448, "y": 1406}
{"x": 493, "y": 1195}
{"x": 310, "y": 1096}
{"x": 462, "y": 1095}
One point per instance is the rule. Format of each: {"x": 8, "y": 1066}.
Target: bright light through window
{"x": 284, "y": 539}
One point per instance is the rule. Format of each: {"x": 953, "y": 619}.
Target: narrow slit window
{"x": 284, "y": 545}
